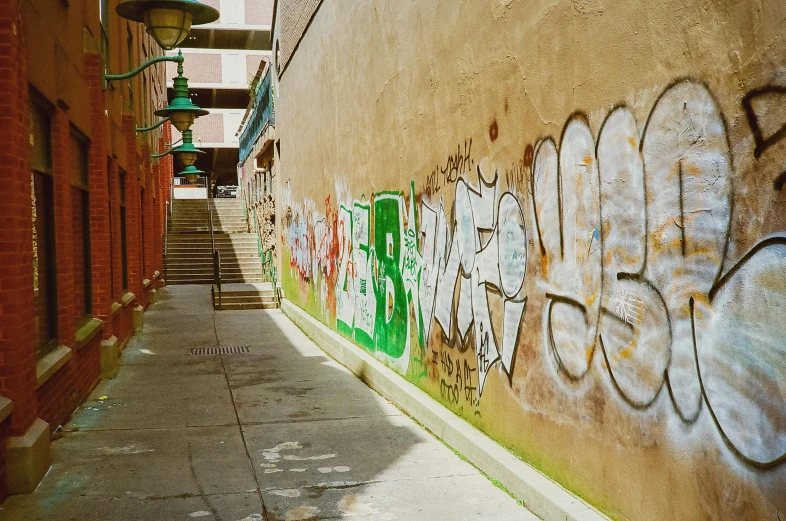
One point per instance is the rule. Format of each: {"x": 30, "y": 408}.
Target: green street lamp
{"x": 168, "y": 21}
{"x": 187, "y": 153}
{"x": 191, "y": 173}
{"x": 181, "y": 111}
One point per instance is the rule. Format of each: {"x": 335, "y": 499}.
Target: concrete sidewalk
{"x": 215, "y": 436}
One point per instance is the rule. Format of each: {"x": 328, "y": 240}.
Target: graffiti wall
{"x": 599, "y": 287}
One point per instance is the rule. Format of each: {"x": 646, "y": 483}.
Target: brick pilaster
{"x": 157, "y": 218}
{"x": 100, "y": 250}
{"x": 17, "y": 336}
{"x": 133, "y": 209}
{"x": 150, "y": 218}
{"x": 165, "y": 180}
{"x": 114, "y": 211}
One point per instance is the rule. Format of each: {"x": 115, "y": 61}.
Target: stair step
{"x": 207, "y": 256}
{"x": 251, "y": 294}
{"x": 234, "y": 297}
{"x": 239, "y": 306}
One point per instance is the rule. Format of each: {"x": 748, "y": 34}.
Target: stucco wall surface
{"x": 565, "y": 220}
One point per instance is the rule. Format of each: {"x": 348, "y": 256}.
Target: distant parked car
{"x": 227, "y": 191}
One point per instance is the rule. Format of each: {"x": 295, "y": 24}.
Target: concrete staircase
{"x": 189, "y": 253}
{"x": 245, "y": 296}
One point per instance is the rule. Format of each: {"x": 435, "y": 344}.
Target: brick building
{"x": 82, "y": 216}
{"x": 224, "y": 57}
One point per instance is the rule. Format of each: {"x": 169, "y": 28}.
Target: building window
{"x": 44, "y": 272}
{"x": 123, "y": 232}
{"x": 80, "y": 211}
{"x": 142, "y": 219}
{"x": 111, "y": 236}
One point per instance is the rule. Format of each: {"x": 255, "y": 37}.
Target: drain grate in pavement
{"x": 224, "y": 350}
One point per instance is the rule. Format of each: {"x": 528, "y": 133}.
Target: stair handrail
{"x": 216, "y": 254}
{"x": 273, "y": 279}
{"x": 166, "y": 237}
{"x": 217, "y": 275}
{"x": 171, "y": 201}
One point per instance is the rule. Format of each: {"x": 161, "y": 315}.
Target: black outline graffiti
{"x": 453, "y": 338}
{"x": 562, "y": 299}
{"x": 762, "y": 143}
{"x": 583, "y": 119}
{"x": 762, "y": 465}
{"x": 509, "y": 374}
{"x": 720, "y": 279}
{"x": 539, "y": 143}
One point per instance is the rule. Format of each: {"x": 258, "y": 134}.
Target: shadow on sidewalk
{"x": 210, "y": 437}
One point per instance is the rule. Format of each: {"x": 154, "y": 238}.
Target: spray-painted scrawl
{"x": 373, "y": 278}
{"x": 628, "y": 270}
{"x": 484, "y": 249}
{"x": 633, "y": 235}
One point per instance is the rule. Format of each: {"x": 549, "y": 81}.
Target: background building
{"x": 258, "y": 166}
{"x": 224, "y": 58}
{"x": 564, "y": 220}
{"x": 82, "y": 217}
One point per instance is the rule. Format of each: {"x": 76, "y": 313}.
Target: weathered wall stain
{"x": 493, "y": 130}
{"x": 632, "y": 234}
{"x": 610, "y": 281}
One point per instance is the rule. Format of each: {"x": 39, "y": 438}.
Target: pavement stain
{"x": 301, "y": 513}
{"x": 291, "y": 390}
{"x": 66, "y": 486}
{"x": 377, "y": 448}
{"x": 127, "y": 449}
{"x": 350, "y": 506}
{"x": 289, "y": 492}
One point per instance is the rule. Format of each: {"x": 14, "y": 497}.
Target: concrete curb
{"x": 543, "y": 496}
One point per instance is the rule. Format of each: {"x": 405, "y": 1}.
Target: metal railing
{"x": 263, "y": 114}
{"x": 201, "y": 182}
{"x": 166, "y": 235}
{"x": 272, "y": 271}
{"x": 217, "y": 276}
{"x": 216, "y": 254}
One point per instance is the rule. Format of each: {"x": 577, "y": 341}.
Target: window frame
{"x": 42, "y": 176}
{"x": 121, "y": 176}
{"x": 81, "y": 183}
{"x": 111, "y": 235}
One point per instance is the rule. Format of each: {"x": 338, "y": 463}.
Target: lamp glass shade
{"x": 187, "y": 158}
{"x": 181, "y": 119}
{"x": 167, "y": 26}
{"x": 191, "y": 178}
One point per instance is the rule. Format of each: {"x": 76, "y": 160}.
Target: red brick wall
{"x": 116, "y": 252}
{"x": 99, "y": 196}
{"x": 17, "y": 339}
{"x": 149, "y": 223}
{"x": 167, "y": 174}
{"x": 70, "y": 385}
{"x": 133, "y": 208}
{"x": 157, "y": 220}
{"x": 57, "y": 398}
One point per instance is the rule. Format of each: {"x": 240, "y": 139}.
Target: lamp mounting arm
{"x": 151, "y": 127}
{"x": 156, "y": 156}
{"x": 152, "y": 61}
